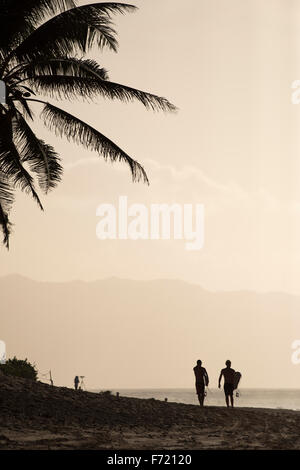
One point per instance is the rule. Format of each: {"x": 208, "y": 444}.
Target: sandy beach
{"x": 38, "y": 416}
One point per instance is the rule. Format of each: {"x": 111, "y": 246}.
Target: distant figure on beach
{"x": 201, "y": 380}
{"x": 228, "y": 375}
{"x": 76, "y": 382}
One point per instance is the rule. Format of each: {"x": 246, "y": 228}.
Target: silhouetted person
{"x": 76, "y": 382}
{"x": 228, "y": 375}
{"x": 201, "y": 380}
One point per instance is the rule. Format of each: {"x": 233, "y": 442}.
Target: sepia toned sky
{"x": 234, "y": 146}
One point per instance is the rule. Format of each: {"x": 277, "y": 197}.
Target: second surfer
{"x": 202, "y": 380}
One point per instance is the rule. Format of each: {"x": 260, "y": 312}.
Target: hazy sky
{"x": 234, "y": 146}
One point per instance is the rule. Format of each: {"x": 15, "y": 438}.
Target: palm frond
{"x": 65, "y": 124}
{"x": 41, "y": 157}
{"x": 18, "y": 19}
{"x": 25, "y": 108}
{"x": 6, "y": 201}
{"x": 67, "y": 78}
{"x": 69, "y": 87}
{"x": 66, "y": 66}
{"x": 11, "y": 165}
{"x": 71, "y": 31}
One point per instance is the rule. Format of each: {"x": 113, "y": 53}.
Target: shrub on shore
{"x": 19, "y": 368}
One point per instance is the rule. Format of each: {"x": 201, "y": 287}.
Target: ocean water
{"x": 257, "y": 398}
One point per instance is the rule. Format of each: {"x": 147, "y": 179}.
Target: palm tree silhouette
{"x": 40, "y": 41}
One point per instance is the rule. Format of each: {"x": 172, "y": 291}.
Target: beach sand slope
{"x": 38, "y": 416}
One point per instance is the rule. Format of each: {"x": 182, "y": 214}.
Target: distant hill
{"x": 125, "y": 333}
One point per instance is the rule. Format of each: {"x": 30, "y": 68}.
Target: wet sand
{"x": 38, "y": 416}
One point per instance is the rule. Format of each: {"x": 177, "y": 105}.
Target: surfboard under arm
{"x": 237, "y": 378}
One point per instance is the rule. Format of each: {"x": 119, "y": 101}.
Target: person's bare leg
{"x": 201, "y": 399}
{"x": 231, "y": 399}
{"x": 227, "y": 400}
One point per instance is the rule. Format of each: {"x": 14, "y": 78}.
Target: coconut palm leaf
{"x": 71, "y": 31}
{"x": 66, "y": 87}
{"x": 10, "y": 161}
{"x": 25, "y": 108}
{"x": 69, "y": 78}
{"x": 18, "y": 19}
{"x": 41, "y": 157}
{"x": 70, "y": 66}
{"x": 65, "y": 124}
{"x": 6, "y": 201}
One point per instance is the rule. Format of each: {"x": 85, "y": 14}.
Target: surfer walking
{"x": 202, "y": 380}
{"x": 229, "y": 376}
